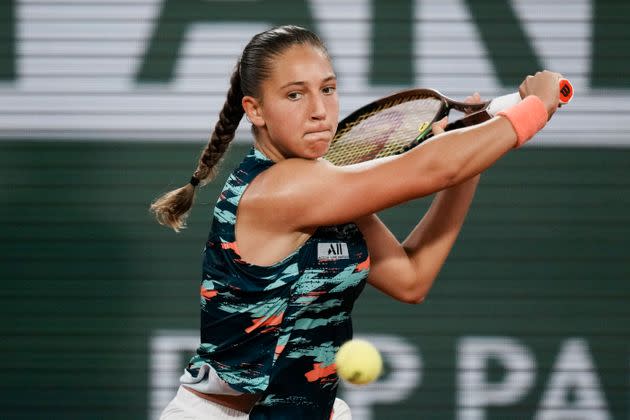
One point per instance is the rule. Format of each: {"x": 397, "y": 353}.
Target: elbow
{"x": 418, "y": 287}
{"x": 415, "y": 283}
{"x": 414, "y": 299}
{"x": 414, "y": 296}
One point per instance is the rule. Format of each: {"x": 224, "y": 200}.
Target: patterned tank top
{"x": 275, "y": 329}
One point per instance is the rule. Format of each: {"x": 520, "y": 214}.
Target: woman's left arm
{"x": 406, "y": 271}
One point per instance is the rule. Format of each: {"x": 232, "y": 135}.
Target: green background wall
{"x": 106, "y": 104}
{"x": 87, "y": 276}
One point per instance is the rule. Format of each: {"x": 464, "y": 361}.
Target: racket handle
{"x": 503, "y": 102}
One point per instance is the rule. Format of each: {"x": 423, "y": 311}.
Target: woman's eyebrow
{"x": 303, "y": 83}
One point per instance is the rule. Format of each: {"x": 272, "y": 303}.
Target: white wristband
{"x": 503, "y": 102}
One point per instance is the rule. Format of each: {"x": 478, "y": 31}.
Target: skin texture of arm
{"x": 323, "y": 194}
{"x": 444, "y": 161}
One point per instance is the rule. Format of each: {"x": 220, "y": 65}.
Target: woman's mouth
{"x": 318, "y": 134}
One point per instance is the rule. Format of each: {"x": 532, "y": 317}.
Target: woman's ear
{"x": 253, "y": 111}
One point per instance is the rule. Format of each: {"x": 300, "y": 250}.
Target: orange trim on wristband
{"x": 527, "y": 117}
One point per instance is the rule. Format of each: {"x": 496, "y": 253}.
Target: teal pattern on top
{"x": 275, "y": 329}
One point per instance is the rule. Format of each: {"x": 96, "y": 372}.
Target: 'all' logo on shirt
{"x": 332, "y": 251}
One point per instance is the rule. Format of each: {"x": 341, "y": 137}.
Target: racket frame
{"x": 475, "y": 111}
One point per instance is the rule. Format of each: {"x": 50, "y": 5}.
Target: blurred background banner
{"x": 158, "y": 69}
{"x": 106, "y": 104}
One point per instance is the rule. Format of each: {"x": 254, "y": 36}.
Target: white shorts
{"x": 188, "y": 406}
{"x": 341, "y": 410}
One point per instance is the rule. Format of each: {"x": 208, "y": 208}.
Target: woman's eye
{"x": 328, "y": 90}
{"x": 294, "y": 96}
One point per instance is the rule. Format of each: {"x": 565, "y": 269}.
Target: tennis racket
{"x": 399, "y": 122}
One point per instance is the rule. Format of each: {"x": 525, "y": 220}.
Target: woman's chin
{"x": 318, "y": 149}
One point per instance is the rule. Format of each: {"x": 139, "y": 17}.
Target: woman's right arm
{"x": 314, "y": 193}
{"x": 366, "y": 188}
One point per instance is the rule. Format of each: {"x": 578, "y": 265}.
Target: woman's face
{"x": 298, "y": 111}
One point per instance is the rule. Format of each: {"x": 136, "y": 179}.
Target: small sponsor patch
{"x": 332, "y": 251}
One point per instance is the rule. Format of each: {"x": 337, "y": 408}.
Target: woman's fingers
{"x": 438, "y": 126}
{"x": 475, "y": 98}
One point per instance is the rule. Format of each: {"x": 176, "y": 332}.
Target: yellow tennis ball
{"x": 358, "y": 362}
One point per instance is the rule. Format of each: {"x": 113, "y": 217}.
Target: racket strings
{"x": 378, "y": 109}
{"x": 385, "y": 130}
{"x": 370, "y": 114}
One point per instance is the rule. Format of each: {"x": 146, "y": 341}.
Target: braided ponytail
{"x": 171, "y": 209}
{"x": 254, "y": 66}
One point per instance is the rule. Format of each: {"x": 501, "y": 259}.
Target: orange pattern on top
{"x": 265, "y": 321}
{"x": 365, "y": 265}
{"x": 208, "y": 294}
{"x": 230, "y": 245}
{"x": 320, "y": 371}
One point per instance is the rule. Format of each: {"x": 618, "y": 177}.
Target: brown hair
{"x": 254, "y": 66}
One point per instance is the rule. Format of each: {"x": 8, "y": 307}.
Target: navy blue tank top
{"x": 275, "y": 329}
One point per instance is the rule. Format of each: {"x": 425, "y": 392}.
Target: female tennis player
{"x": 294, "y": 238}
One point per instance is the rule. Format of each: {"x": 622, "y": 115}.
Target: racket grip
{"x": 503, "y": 102}
{"x": 500, "y": 103}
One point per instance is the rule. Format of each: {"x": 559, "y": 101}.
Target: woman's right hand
{"x": 546, "y": 85}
